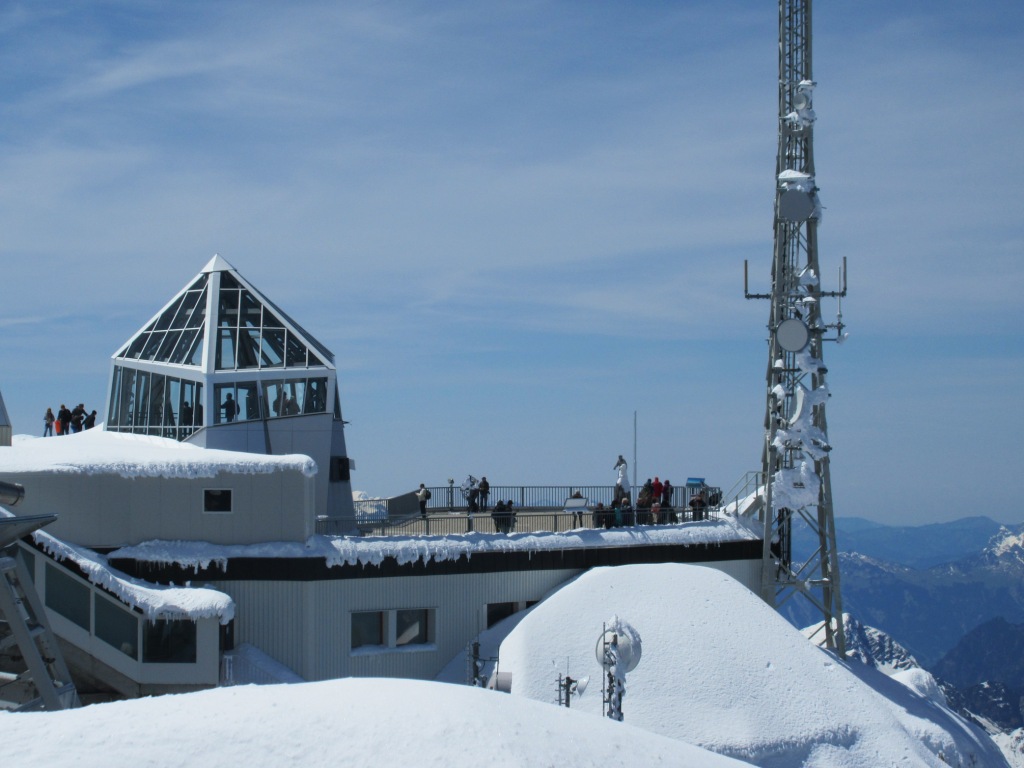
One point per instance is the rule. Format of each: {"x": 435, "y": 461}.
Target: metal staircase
{"x": 25, "y": 636}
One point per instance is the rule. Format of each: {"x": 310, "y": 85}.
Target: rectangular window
{"x": 498, "y": 611}
{"x": 340, "y": 469}
{"x": 169, "y": 642}
{"x": 367, "y": 629}
{"x": 412, "y": 627}
{"x": 217, "y": 501}
{"x": 67, "y": 596}
{"x": 117, "y": 626}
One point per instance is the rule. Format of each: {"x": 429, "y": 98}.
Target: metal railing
{"x": 451, "y": 498}
{"x": 523, "y": 521}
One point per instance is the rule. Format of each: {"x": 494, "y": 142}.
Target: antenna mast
{"x": 795, "y": 458}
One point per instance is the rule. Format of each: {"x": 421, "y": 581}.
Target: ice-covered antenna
{"x": 797, "y": 488}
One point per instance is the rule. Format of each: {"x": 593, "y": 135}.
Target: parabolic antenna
{"x": 792, "y": 335}
{"x": 795, "y": 206}
{"x": 629, "y": 651}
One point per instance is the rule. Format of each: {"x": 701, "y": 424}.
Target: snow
{"x": 351, "y": 722}
{"x": 96, "y": 452}
{"x": 154, "y": 600}
{"x": 373, "y": 550}
{"x": 724, "y": 671}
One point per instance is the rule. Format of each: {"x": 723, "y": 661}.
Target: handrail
{"x": 554, "y": 520}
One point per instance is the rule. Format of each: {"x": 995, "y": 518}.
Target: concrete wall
{"x": 315, "y": 435}
{"x": 105, "y": 510}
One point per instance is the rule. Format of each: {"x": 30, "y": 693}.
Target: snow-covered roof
{"x": 98, "y": 452}
{"x": 373, "y": 550}
{"x": 154, "y": 600}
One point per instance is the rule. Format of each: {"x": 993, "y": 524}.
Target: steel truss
{"x": 795, "y": 457}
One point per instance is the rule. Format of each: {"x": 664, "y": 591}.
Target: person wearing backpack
{"x": 423, "y": 495}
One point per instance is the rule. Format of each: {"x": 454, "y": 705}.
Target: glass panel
{"x": 156, "y": 400}
{"x": 367, "y": 629}
{"x": 196, "y": 356}
{"x": 314, "y": 361}
{"x": 112, "y": 410}
{"x": 274, "y": 397}
{"x": 247, "y": 394}
{"x": 316, "y": 396}
{"x": 126, "y": 403}
{"x": 199, "y": 314}
{"x": 169, "y": 642}
{"x": 411, "y": 627}
{"x": 170, "y": 341}
{"x": 248, "y": 348}
{"x": 227, "y": 314}
{"x": 188, "y": 303}
{"x": 227, "y": 408}
{"x": 67, "y": 596}
{"x": 187, "y": 401}
{"x": 198, "y": 402}
{"x": 172, "y": 406}
{"x": 227, "y": 281}
{"x": 137, "y": 346}
{"x": 296, "y": 352}
{"x": 337, "y": 404}
{"x": 226, "y": 339}
{"x": 181, "y": 348}
{"x": 272, "y": 347}
{"x": 141, "y": 399}
{"x": 294, "y": 391}
{"x": 152, "y": 345}
{"x": 116, "y": 626}
{"x": 164, "y": 321}
{"x": 251, "y": 313}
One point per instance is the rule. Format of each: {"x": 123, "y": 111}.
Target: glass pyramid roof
{"x": 220, "y": 308}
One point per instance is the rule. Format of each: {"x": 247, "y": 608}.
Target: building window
{"x": 117, "y": 626}
{"x": 169, "y": 642}
{"x": 217, "y": 501}
{"x": 394, "y": 629}
{"x": 499, "y": 611}
{"x": 340, "y": 469}
{"x": 412, "y": 627}
{"x": 367, "y": 629}
{"x": 67, "y": 596}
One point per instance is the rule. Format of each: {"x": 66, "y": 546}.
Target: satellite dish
{"x": 629, "y": 652}
{"x": 581, "y": 686}
{"x": 795, "y": 206}
{"x": 792, "y": 335}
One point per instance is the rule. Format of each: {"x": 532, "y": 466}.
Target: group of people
{"x": 476, "y": 493}
{"x": 654, "y": 502}
{"x": 67, "y": 420}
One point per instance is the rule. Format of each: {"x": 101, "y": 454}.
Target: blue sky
{"x": 516, "y": 224}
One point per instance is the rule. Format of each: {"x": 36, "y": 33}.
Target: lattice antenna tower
{"x": 795, "y": 460}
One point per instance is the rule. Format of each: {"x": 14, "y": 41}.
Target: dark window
{"x": 67, "y": 596}
{"x": 367, "y": 628}
{"x": 169, "y": 642}
{"x": 339, "y": 469}
{"x": 217, "y": 500}
{"x": 412, "y": 627}
{"x": 498, "y": 611}
{"x": 116, "y": 626}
